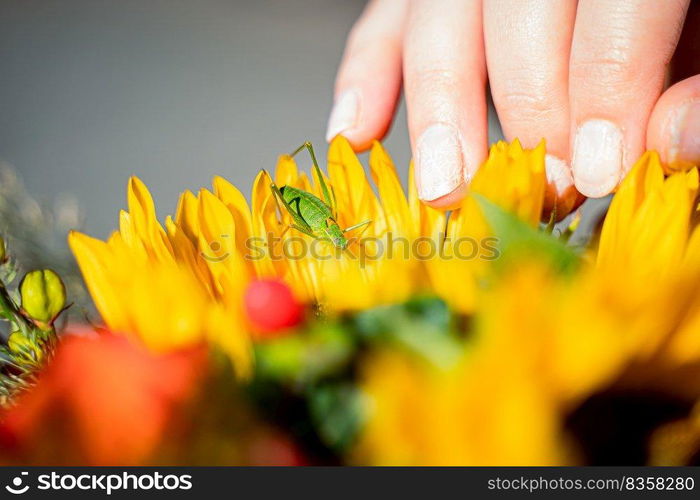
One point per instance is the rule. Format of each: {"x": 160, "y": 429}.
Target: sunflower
{"x": 182, "y": 282}
{"x": 545, "y": 347}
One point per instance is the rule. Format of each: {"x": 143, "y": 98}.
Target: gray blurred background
{"x": 174, "y": 91}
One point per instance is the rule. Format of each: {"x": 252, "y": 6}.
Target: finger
{"x": 674, "y": 126}
{"x": 445, "y": 73}
{"x": 369, "y": 79}
{"x": 618, "y": 58}
{"x": 527, "y": 53}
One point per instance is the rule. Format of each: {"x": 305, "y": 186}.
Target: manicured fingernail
{"x": 439, "y": 162}
{"x": 685, "y": 136}
{"x": 597, "y": 162}
{"x": 344, "y": 115}
{"x": 558, "y": 173}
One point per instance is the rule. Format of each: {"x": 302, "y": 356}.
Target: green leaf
{"x": 422, "y": 326}
{"x": 336, "y": 412}
{"x": 304, "y": 357}
{"x": 517, "y": 241}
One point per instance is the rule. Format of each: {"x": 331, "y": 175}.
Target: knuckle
{"x": 440, "y": 78}
{"x": 614, "y": 80}
{"x": 524, "y": 99}
{"x": 607, "y": 61}
{"x": 525, "y": 103}
{"x": 611, "y": 70}
{"x": 433, "y": 93}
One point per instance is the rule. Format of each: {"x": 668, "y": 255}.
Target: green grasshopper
{"x": 312, "y": 216}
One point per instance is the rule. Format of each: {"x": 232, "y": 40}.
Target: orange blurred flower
{"x": 103, "y": 400}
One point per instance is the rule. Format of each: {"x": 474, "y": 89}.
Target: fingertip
{"x": 363, "y": 109}
{"x": 449, "y": 201}
{"x": 597, "y": 157}
{"x": 351, "y": 118}
{"x": 674, "y": 126}
{"x": 344, "y": 115}
{"x": 596, "y": 188}
{"x": 558, "y": 173}
{"x": 561, "y": 196}
{"x": 440, "y": 168}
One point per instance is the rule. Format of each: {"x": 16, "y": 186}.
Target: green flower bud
{"x": 19, "y": 344}
{"x": 3, "y": 255}
{"x": 43, "y": 295}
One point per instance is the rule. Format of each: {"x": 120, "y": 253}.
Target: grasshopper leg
{"x": 351, "y": 228}
{"x": 280, "y": 199}
{"x": 334, "y": 207}
{"x": 330, "y": 201}
{"x": 276, "y": 194}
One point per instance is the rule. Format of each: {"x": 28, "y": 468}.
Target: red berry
{"x": 271, "y": 306}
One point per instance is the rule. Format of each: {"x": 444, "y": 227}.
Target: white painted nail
{"x": 598, "y": 155}
{"x": 344, "y": 115}
{"x": 439, "y": 162}
{"x": 558, "y": 173}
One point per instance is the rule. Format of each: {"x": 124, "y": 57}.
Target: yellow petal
{"x": 393, "y": 200}
{"x": 186, "y": 215}
{"x": 356, "y": 200}
{"x": 94, "y": 259}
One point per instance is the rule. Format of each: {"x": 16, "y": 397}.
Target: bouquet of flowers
{"x": 338, "y": 320}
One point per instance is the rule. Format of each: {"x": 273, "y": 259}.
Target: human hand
{"x": 585, "y": 75}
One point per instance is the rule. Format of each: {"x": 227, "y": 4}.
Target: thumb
{"x": 674, "y": 126}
